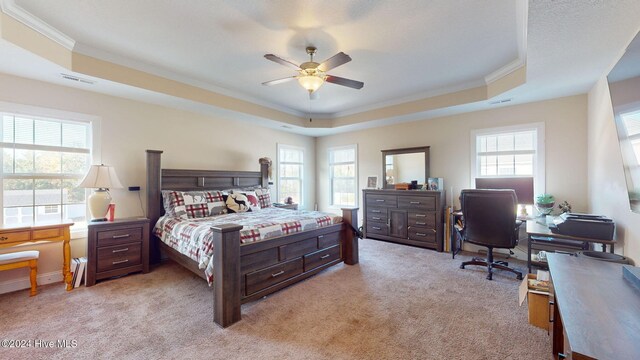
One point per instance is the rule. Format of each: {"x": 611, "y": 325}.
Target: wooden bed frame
{"x": 247, "y": 272}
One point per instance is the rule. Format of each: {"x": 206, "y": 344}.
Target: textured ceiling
{"x": 402, "y": 50}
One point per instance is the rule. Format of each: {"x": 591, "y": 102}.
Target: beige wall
{"x": 565, "y": 122}
{"x": 607, "y": 187}
{"x": 189, "y": 140}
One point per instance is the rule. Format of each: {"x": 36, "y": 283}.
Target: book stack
{"x": 78, "y": 266}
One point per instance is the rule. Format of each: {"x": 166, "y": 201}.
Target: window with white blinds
{"x": 290, "y": 173}
{"x": 343, "y": 175}
{"x": 43, "y": 161}
{"x": 514, "y": 151}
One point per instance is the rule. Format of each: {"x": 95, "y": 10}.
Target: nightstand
{"x": 286, "y": 206}
{"x": 117, "y": 248}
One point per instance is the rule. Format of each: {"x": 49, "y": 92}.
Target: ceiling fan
{"x": 311, "y": 75}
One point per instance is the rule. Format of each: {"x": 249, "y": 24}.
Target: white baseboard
{"x": 25, "y": 283}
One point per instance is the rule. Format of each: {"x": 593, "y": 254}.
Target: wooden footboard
{"x": 251, "y": 271}
{"x": 243, "y": 273}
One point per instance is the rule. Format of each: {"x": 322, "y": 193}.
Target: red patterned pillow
{"x": 193, "y": 204}
{"x": 264, "y": 197}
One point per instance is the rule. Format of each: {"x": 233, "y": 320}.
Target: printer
{"x": 584, "y": 225}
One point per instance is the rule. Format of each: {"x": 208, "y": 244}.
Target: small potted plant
{"x": 545, "y": 203}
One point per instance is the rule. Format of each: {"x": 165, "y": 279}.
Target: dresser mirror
{"x": 624, "y": 87}
{"x": 405, "y": 165}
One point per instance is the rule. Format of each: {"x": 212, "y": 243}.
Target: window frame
{"x": 538, "y": 160}
{"x": 301, "y": 202}
{"x": 93, "y": 141}
{"x": 356, "y": 174}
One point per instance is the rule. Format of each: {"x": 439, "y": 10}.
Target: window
{"x": 515, "y": 151}
{"x": 43, "y": 160}
{"x": 290, "y": 173}
{"x": 343, "y": 175}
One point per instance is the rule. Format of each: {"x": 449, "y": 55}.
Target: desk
{"x": 596, "y": 312}
{"x": 11, "y": 236}
{"x": 540, "y": 234}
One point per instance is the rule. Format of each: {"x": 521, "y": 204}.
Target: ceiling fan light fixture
{"x": 310, "y": 82}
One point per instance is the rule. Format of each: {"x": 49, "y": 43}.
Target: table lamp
{"x": 101, "y": 178}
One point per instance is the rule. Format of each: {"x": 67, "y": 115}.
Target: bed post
{"x": 226, "y": 272}
{"x": 264, "y": 175}
{"x": 153, "y": 200}
{"x": 349, "y": 238}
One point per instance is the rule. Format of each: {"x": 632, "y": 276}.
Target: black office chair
{"x": 490, "y": 220}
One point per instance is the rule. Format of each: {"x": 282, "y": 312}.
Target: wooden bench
{"x": 20, "y": 259}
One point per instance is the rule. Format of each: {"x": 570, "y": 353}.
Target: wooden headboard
{"x": 159, "y": 179}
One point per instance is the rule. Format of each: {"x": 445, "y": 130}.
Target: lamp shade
{"x": 101, "y": 177}
{"x": 311, "y": 82}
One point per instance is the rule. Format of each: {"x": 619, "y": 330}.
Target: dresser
{"x": 117, "y": 248}
{"x": 412, "y": 217}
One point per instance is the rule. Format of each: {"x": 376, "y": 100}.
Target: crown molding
{"x": 522, "y": 19}
{"x": 10, "y": 8}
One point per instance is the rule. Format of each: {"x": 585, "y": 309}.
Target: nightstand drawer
{"x": 119, "y": 236}
{"x": 119, "y": 256}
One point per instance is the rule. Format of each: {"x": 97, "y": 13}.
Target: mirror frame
{"x": 412, "y": 150}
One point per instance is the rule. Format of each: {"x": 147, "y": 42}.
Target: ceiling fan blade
{"x": 278, "y": 81}
{"x": 344, "y": 82}
{"x": 314, "y": 95}
{"x": 281, "y": 61}
{"x": 334, "y": 61}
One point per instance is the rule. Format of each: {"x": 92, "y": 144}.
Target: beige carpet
{"x": 400, "y": 302}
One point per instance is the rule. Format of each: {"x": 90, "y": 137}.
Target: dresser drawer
{"x": 312, "y": 261}
{"x": 381, "y": 200}
{"x": 422, "y": 234}
{"x": 377, "y": 228}
{"x": 9, "y": 237}
{"x": 119, "y": 236}
{"x": 426, "y": 219}
{"x": 417, "y": 202}
{"x": 377, "y": 214}
{"x": 119, "y": 256}
{"x": 262, "y": 279}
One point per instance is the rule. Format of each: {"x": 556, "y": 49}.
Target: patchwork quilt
{"x": 194, "y": 238}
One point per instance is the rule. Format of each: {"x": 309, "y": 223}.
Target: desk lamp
{"x": 101, "y": 178}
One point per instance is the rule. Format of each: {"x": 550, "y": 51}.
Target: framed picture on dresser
{"x": 435, "y": 184}
{"x": 372, "y": 182}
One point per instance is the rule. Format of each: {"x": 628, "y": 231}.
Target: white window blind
{"x": 290, "y": 173}
{"x": 343, "y": 173}
{"x": 43, "y": 161}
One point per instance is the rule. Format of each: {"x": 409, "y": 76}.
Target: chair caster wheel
{"x": 519, "y": 277}
{"x": 490, "y": 277}
{"x": 461, "y": 266}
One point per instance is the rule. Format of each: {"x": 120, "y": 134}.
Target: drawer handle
{"x": 414, "y": 202}
{"x": 421, "y": 215}
{"x": 121, "y": 236}
{"x": 375, "y": 211}
{"x": 420, "y": 223}
{"x": 4, "y": 238}
{"x": 320, "y": 236}
{"x": 375, "y": 218}
{"x": 277, "y": 274}
{"x": 376, "y": 228}
{"x": 421, "y": 234}
{"x": 380, "y": 200}
{"x": 120, "y": 250}
{"x": 120, "y": 262}
{"x": 324, "y": 256}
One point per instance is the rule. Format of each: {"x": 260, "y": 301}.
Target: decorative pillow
{"x": 237, "y": 203}
{"x": 193, "y": 204}
{"x": 264, "y": 197}
{"x": 252, "y": 198}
